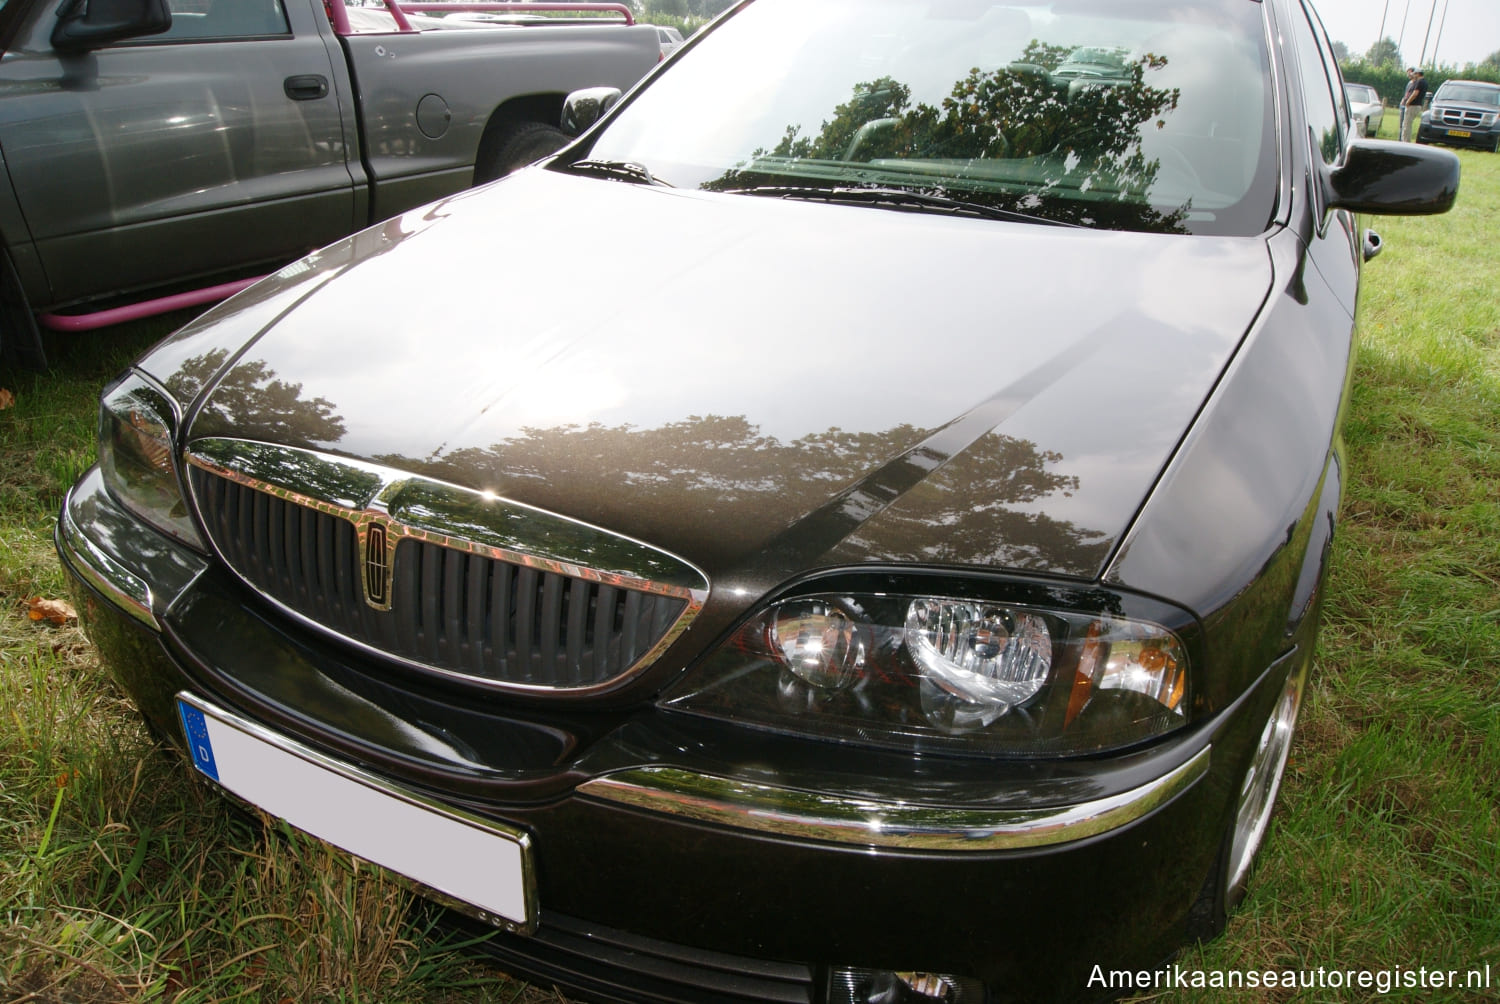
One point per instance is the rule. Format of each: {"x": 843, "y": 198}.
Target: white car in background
{"x": 1366, "y": 109}
{"x": 670, "y": 39}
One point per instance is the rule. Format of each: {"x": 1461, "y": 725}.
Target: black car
{"x": 1463, "y": 113}
{"x": 849, "y": 527}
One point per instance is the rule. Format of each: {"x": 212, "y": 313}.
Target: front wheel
{"x": 1226, "y": 885}
{"x": 517, "y": 145}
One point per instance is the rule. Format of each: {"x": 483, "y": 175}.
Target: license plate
{"x": 1460, "y": 133}
{"x": 465, "y": 860}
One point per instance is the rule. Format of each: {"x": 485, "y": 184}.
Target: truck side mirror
{"x": 90, "y": 24}
{"x": 583, "y": 108}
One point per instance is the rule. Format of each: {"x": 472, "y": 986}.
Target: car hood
{"x": 757, "y": 385}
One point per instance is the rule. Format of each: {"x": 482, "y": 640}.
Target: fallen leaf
{"x": 7, "y": 399}
{"x": 58, "y": 612}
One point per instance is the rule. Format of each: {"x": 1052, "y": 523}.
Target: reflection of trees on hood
{"x": 1077, "y": 136}
{"x": 717, "y": 477}
{"x": 250, "y": 397}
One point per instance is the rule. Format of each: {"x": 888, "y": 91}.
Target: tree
{"x": 1340, "y": 52}
{"x": 1384, "y": 53}
{"x": 1073, "y": 135}
{"x": 1492, "y": 60}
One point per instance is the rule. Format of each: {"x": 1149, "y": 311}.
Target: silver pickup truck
{"x": 155, "y": 147}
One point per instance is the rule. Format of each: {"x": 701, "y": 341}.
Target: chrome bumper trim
{"x": 122, "y": 587}
{"x": 848, "y": 820}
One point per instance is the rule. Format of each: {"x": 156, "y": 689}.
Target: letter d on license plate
{"x": 457, "y": 856}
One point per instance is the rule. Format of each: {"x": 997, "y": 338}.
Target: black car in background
{"x": 1463, "y": 113}
{"x": 899, "y": 582}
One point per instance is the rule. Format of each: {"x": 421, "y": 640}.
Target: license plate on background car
{"x": 1460, "y": 133}
{"x": 460, "y": 857}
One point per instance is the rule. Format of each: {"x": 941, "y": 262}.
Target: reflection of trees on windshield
{"x": 1053, "y": 134}
{"x": 720, "y": 479}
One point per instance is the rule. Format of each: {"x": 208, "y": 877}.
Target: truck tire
{"x": 20, "y": 340}
{"x": 520, "y": 144}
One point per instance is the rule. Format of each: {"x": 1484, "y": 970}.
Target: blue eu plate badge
{"x": 196, "y": 729}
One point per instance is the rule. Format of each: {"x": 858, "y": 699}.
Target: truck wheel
{"x": 20, "y": 341}
{"x": 518, "y": 145}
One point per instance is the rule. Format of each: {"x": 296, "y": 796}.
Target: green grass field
{"x": 123, "y": 879}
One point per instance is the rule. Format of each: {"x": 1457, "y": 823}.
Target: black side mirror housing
{"x": 583, "y": 108}
{"x": 1393, "y": 179}
{"x": 91, "y": 24}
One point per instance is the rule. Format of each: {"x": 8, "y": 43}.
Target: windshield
{"x": 1476, "y": 94}
{"x": 1118, "y": 114}
{"x": 1361, "y": 93}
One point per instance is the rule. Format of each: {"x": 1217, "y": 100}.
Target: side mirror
{"x": 1393, "y": 179}
{"x": 90, "y": 24}
{"x": 583, "y": 108}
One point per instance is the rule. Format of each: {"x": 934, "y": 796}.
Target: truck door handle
{"x": 306, "y": 87}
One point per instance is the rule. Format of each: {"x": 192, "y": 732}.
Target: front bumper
{"x": 677, "y": 842}
{"x": 1478, "y": 137}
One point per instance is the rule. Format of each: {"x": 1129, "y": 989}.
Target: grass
{"x": 123, "y": 879}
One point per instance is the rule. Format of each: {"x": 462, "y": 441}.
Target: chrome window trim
{"x": 839, "y": 819}
{"x": 410, "y": 506}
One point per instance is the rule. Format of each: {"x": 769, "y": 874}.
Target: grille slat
{"x": 525, "y": 668}
{"x": 550, "y": 615}
{"x": 454, "y": 610}
{"x": 604, "y": 628}
{"x": 576, "y": 635}
{"x": 477, "y": 593}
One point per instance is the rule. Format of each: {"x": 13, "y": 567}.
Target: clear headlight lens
{"x": 906, "y": 670}
{"x": 136, "y": 426}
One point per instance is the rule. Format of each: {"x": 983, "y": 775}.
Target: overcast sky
{"x": 1471, "y": 30}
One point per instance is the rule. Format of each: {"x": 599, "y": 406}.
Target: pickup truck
{"x": 154, "y": 151}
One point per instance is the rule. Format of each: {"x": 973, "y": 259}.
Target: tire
{"x": 1229, "y": 878}
{"x": 517, "y": 145}
{"x": 20, "y": 340}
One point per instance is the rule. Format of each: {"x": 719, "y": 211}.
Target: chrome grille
{"x": 451, "y": 608}
{"x": 1462, "y": 117}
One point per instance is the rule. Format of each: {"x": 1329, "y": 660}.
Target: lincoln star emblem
{"x": 377, "y": 566}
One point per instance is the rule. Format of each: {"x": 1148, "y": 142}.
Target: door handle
{"x": 306, "y": 87}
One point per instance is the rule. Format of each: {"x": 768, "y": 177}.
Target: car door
{"x": 178, "y": 156}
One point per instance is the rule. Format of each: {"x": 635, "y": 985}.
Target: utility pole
{"x": 1441, "y": 21}
{"x": 1402, "y": 37}
{"x": 1427, "y": 33}
{"x": 1380, "y": 36}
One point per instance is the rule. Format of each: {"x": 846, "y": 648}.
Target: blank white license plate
{"x": 460, "y": 857}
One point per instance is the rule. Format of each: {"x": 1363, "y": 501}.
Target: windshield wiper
{"x": 899, "y": 198}
{"x": 620, "y": 170}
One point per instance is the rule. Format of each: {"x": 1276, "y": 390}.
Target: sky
{"x": 1471, "y": 30}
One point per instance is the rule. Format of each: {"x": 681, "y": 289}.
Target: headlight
{"x": 136, "y": 427}
{"x": 930, "y": 670}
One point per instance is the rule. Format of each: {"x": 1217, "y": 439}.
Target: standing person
{"x": 1411, "y": 104}
{"x": 1411, "y": 85}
